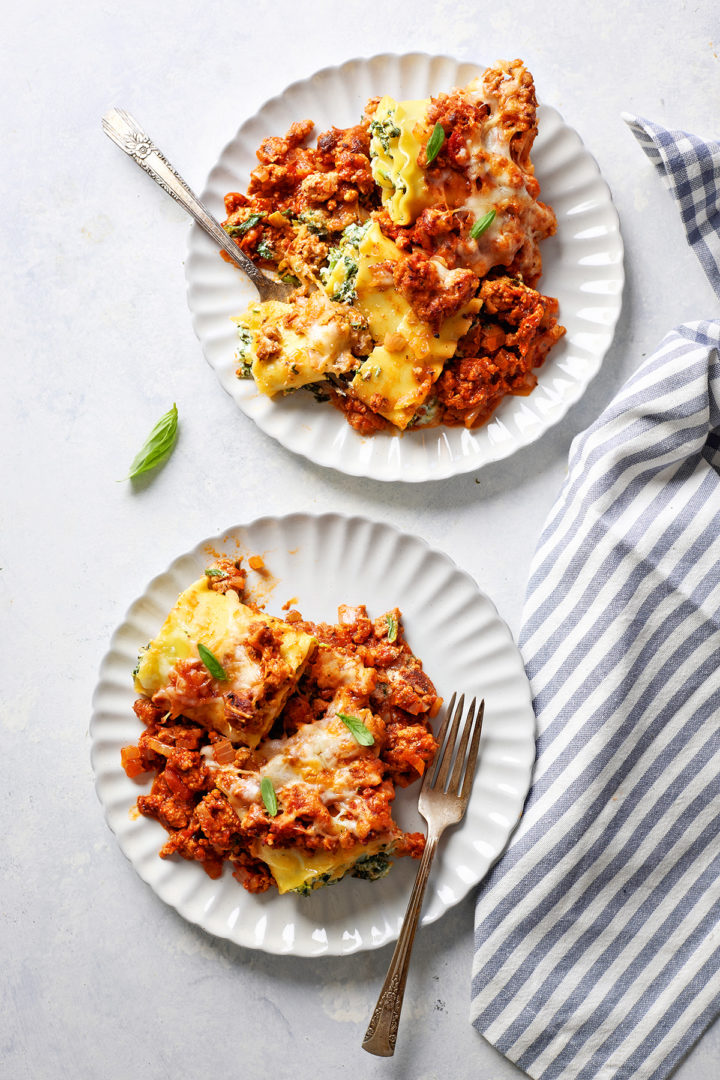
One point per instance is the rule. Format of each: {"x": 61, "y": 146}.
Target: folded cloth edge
{"x": 698, "y": 410}
{"x": 690, "y": 170}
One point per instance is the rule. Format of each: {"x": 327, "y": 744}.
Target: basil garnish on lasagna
{"x": 277, "y": 745}
{"x": 414, "y": 239}
{"x": 222, "y": 664}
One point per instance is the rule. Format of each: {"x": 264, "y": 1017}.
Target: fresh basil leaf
{"x": 482, "y": 224}
{"x": 268, "y": 796}
{"x": 434, "y": 143}
{"x": 158, "y": 445}
{"x": 357, "y": 729}
{"x": 392, "y": 628}
{"x": 212, "y": 663}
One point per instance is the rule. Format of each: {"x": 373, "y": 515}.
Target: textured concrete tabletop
{"x": 100, "y": 978}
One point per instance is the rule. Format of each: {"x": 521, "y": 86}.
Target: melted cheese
{"x": 222, "y": 624}
{"x": 324, "y": 760}
{"x": 496, "y": 181}
{"x": 400, "y": 132}
{"x": 395, "y": 383}
{"x": 332, "y": 668}
{"x": 323, "y": 756}
{"x": 294, "y": 869}
{"x": 493, "y": 183}
{"x": 307, "y": 348}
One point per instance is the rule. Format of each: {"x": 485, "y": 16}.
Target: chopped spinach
{"x": 315, "y": 883}
{"x": 353, "y": 234}
{"x": 246, "y": 340}
{"x": 346, "y": 253}
{"x": 244, "y": 369}
{"x": 264, "y": 250}
{"x": 384, "y": 131}
{"x": 372, "y": 867}
{"x": 369, "y": 867}
{"x": 317, "y": 392}
{"x": 315, "y": 223}
{"x": 242, "y": 227}
{"x": 345, "y": 292}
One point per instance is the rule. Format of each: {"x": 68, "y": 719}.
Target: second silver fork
{"x": 443, "y": 801}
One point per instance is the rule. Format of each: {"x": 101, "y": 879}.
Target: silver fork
{"x": 442, "y": 802}
{"x": 126, "y": 133}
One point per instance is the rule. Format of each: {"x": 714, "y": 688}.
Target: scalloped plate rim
{"x": 148, "y": 869}
{"x": 491, "y": 451}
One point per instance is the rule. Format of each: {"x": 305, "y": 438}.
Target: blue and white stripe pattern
{"x": 598, "y": 933}
{"x": 690, "y": 169}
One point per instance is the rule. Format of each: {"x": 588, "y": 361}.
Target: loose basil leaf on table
{"x": 158, "y": 445}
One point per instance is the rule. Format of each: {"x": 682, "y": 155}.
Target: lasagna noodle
{"x": 260, "y": 676}
{"x": 321, "y": 761}
{"x": 399, "y": 134}
{"x": 396, "y": 382}
{"x": 296, "y": 870}
{"x": 307, "y": 343}
{"x": 481, "y": 174}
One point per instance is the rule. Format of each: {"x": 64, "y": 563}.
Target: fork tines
{"x": 464, "y": 759}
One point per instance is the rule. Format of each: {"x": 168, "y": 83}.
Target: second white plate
{"x": 318, "y": 563}
{"x": 583, "y": 268}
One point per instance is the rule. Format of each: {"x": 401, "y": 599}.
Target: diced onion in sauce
{"x": 224, "y": 752}
{"x": 132, "y": 762}
{"x": 159, "y": 747}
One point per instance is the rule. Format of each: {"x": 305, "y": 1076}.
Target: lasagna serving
{"x": 413, "y": 242}
{"x": 277, "y": 744}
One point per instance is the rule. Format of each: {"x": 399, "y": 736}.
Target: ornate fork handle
{"x": 382, "y": 1030}
{"x": 126, "y": 133}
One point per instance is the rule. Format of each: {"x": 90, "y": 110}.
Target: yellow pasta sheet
{"x": 399, "y": 373}
{"x": 308, "y": 339}
{"x": 400, "y": 132}
{"x": 221, "y": 623}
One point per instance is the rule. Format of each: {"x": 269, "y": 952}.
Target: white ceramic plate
{"x": 583, "y": 267}
{"x": 318, "y": 563}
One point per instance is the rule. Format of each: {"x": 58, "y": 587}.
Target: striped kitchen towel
{"x": 690, "y": 169}
{"x": 597, "y": 937}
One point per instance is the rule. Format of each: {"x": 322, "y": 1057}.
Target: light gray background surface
{"x": 99, "y": 978}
